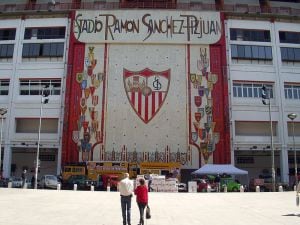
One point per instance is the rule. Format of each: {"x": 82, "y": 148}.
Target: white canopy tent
{"x": 214, "y": 169}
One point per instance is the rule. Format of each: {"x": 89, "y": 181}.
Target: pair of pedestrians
{"x": 126, "y": 191}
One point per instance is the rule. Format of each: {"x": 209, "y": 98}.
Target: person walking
{"x": 217, "y": 182}
{"x": 24, "y": 177}
{"x": 126, "y": 190}
{"x": 141, "y": 193}
{"x": 32, "y": 181}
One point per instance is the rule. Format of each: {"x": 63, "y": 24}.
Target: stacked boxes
{"x": 160, "y": 184}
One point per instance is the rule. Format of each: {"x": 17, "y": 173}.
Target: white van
{"x": 49, "y": 181}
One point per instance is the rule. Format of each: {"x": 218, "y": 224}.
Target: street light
{"x": 3, "y": 111}
{"x": 293, "y": 116}
{"x": 44, "y": 100}
{"x": 265, "y": 94}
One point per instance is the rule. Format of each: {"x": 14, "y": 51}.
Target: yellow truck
{"x": 171, "y": 169}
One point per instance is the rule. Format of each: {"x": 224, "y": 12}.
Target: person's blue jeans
{"x": 142, "y": 207}
{"x": 126, "y": 207}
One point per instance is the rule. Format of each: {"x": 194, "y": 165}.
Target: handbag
{"x": 148, "y": 212}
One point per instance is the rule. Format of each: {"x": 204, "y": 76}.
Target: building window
{"x": 45, "y": 33}
{"x": 31, "y": 125}
{"x": 290, "y": 129}
{"x": 289, "y": 37}
{"x": 253, "y": 128}
{"x": 250, "y": 52}
{"x": 245, "y": 160}
{"x": 292, "y": 91}
{"x": 4, "y": 87}
{"x": 250, "y": 35}
{"x": 35, "y": 87}
{"x": 250, "y": 90}
{"x": 47, "y": 158}
{"x": 290, "y": 54}
{"x": 34, "y": 50}
{"x": 6, "y": 50}
{"x": 7, "y": 34}
{"x": 46, "y": 43}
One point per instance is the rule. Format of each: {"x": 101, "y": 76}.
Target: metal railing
{"x": 233, "y": 8}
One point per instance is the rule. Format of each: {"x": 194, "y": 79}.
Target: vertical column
{"x": 7, "y": 161}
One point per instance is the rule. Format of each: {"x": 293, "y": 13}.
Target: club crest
{"x": 146, "y": 91}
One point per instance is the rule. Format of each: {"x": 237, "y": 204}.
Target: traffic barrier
{"x": 108, "y": 188}
{"x": 257, "y": 189}
{"x": 58, "y": 187}
{"x": 208, "y": 189}
{"x": 92, "y": 188}
{"x": 9, "y": 185}
{"x": 25, "y": 186}
{"x": 280, "y": 188}
{"x": 242, "y": 188}
{"x": 295, "y": 188}
{"x": 75, "y": 187}
{"x": 225, "y": 188}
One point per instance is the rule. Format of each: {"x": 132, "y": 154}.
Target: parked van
{"x": 49, "y": 181}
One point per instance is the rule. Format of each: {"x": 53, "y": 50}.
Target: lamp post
{"x": 44, "y": 100}
{"x": 3, "y": 111}
{"x": 265, "y": 94}
{"x": 293, "y": 116}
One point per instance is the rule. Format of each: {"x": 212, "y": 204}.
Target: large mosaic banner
{"x": 132, "y": 26}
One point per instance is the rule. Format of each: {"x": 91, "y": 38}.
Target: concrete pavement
{"x": 51, "y": 207}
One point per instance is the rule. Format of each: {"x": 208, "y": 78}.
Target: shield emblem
{"x": 200, "y": 133}
{"x": 193, "y": 77}
{"x": 79, "y": 77}
{"x": 197, "y": 116}
{"x": 83, "y": 109}
{"x": 216, "y": 137}
{"x": 206, "y": 90}
{"x": 85, "y": 125}
{"x": 201, "y": 111}
{"x": 210, "y": 147}
{"x": 86, "y": 61}
{"x": 83, "y": 84}
{"x": 194, "y": 136}
{"x": 207, "y": 126}
{"x": 201, "y": 91}
{"x": 95, "y": 100}
{"x": 198, "y": 101}
{"x": 87, "y": 93}
{"x": 208, "y": 109}
{"x": 92, "y": 90}
{"x": 75, "y": 136}
{"x": 146, "y": 91}
{"x": 92, "y": 112}
{"x": 214, "y": 78}
{"x": 90, "y": 70}
{"x": 210, "y": 85}
{"x": 199, "y": 79}
{"x": 209, "y": 118}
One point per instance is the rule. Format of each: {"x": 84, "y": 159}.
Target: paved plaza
{"x": 51, "y": 207}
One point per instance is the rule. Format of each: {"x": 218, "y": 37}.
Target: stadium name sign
{"x": 147, "y": 27}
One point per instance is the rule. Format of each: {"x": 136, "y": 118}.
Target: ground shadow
{"x": 292, "y": 214}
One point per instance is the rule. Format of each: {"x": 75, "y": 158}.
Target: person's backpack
{"x": 148, "y": 213}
